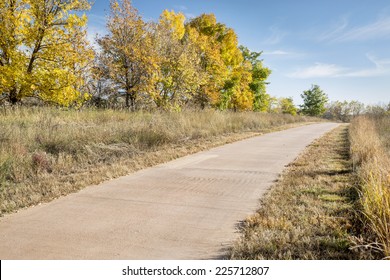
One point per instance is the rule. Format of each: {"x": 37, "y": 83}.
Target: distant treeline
{"x": 347, "y": 110}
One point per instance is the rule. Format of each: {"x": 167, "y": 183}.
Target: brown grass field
{"x": 47, "y": 152}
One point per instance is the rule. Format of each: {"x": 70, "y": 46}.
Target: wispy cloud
{"x": 319, "y": 70}
{"x": 275, "y": 37}
{"x": 382, "y": 68}
{"x": 97, "y": 19}
{"x": 276, "y": 52}
{"x": 323, "y": 70}
{"x": 378, "y": 29}
{"x": 374, "y": 30}
{"x": 285, "y": 54}
{"x": 336, "y": 30}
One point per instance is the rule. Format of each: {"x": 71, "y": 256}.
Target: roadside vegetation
{"x": 370, "y": 147}
{"x": 47, "y": 152}
{"x": 310, "y": 212}
{"x": 333, "y": 202}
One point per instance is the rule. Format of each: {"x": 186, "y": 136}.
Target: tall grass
{"x": 370, "y": 147}
{"x": 308, "y": 214}
{"x": 49, "y": 152}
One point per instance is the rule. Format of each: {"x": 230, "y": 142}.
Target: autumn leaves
{"x": 173, "y": 62}
{"x": 168, "y": 64}
{"x": 43, "y": 51}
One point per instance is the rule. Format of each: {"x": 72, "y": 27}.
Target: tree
{"x": 203, "y": 32}
{"x": 179, "y": 73}
{"x": 236, "y": 93}
{"x": 344, "y": 111}
{"x": 43, "y": 50}
{"x": 228, "y": 75}
{"x": 127, "y": 54}
{"x": 335, "y": 110}
{"x": 287, "y": 106}
{"x": 261, "y": 100}
{"x": 356, "y": 108}
{"x": 314, "y": 101}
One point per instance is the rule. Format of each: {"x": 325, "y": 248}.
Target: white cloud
{"x": 319, "y": 70}
{"x": 323, "y": 70}
{"x": 374, "y": 30}
{"x": 276, "y": 52}
{"x": 382, "y": 68}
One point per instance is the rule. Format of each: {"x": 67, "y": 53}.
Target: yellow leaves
{"x": 114, "y": 6}
{"x": 287, "y": 106}
{"x": 127, "y": 58}
{"x": 44, "y": 49}
{"x": 58, "y": 86}
{"x": 75, "y": 21}
{"x": 46, "y": 54}
{"x": 175, "y": 22}
{"x": 222, "y": 60}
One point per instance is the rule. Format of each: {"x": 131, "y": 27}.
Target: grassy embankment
{"x": 333, "y": 202}
{"x": 309, "y": 213}
{"x": 370, "y": 146}
{"x": 46, "y": 152}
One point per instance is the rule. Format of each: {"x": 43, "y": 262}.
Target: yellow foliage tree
{"x": 175, "y": 22}
{"x": 127, "y": 55}
{"x": 287, "y": 106}
{"x": 202, "y": 32}
{"x": 180, "y": 73}
{"x": 43, "y": 49}
{"x": 228, "y": 74}
{"x": 237, "y": 94}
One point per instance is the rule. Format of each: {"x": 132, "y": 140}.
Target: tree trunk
{"x": 132, "y": 102}
{"x": 13, "y": 96}
{"x": 127, "y": 99}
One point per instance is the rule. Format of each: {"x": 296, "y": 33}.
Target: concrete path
{"x": 186, "y": 209}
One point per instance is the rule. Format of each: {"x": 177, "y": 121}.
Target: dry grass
{"x": 46, "y": 152}
{"x": 309, "y": 213}
{"x": 370, "y": 147}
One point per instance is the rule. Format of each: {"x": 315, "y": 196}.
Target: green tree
{"x": 259, "y": 73}
{"x": 314, "y": 101}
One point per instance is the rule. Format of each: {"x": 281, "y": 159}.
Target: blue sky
{"x": 341, "y": 45}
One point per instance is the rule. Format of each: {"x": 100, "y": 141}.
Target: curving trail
{"x": 186, "y": 209}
